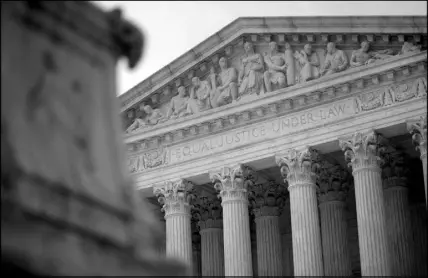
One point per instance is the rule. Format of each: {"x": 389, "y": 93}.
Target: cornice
{"x": 290, "y": 99}
{"x": 274, "y": 25}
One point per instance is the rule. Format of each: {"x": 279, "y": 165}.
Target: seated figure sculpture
{"x": 335, "y": 61}
{"x": 200, "y": 95}
{"x": 364, "y": 56}
{"x": 309, "y": 63}
{"x": 250, "y": 77}
{"x": 178, "y": 105}
{"x": 276, "y": 67}
{"x": 153, "y": 117}
{"x": 409, "y": 47}
{"x": 224, "y": 85}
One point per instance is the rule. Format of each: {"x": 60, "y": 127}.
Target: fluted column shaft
{"x": 175, "y": 197}
{"x": 307, "y": 249}
{"x": 287, "y": 254}
{"x": 399, "y": 230}
{"x": 212, "y": 250}
{"x": 336, "y": 255}
{"x": 364, "y": 151}
{"x": 371, "y": 222}
{"x": 179, "y": 238}
{"x": 269, "y": 253}
{"x": 237, "y": 242}
{"x": 419, "y": 225}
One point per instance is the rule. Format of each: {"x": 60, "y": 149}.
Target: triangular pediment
{"x": 201, "y": 61}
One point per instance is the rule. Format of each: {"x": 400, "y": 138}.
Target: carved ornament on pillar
{"x": 175, "y": 197}
{"x": 418, "y": 129}
{"x": 299, "y": 167}
{"x": 233, "y": 182}
{"x": 208, "y": 212}
{"x": 364, "y": 150}
{"x": 333, "y": 182}
{"x": 394, "y": 171}
{"x": 267, "y": 199}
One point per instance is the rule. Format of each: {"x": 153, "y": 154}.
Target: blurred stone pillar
{"x": 287, "y": 241}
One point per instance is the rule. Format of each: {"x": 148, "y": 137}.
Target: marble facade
{"x": 296, "y": 136}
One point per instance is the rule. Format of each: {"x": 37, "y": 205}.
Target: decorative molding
{"x": 394, "y": 171}
{"x": 267, "y": 199}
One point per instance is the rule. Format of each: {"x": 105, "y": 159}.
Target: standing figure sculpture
{"x": 153, "y": 117}
{"x": 335, "y": 61}
{"x": 224, "y": 85}
{"x": 276, "y": 67}
{"x": 289, "y": 61}
{"x": 309, "y": 63}
{"x": 178, "y": 105}
{"x": 250, "y": 78}
{"x": 364, "y": 56}
{"x": 200, "y": 95}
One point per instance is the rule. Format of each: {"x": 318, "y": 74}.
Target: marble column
{"x": 333, "y": 184}
{"x": 196, "y": 246}
{"x": 212, "y": 247}
{"x": 296, "y": 168}
{"x": 175, "y": 197}
{"x": 287, "y": 241}
{"x": 211, "y": 231}
{"x": 265, "y": 202}
{"x": 354, "y": 249}
{"x": 397, "y": 210}
{"x": 418, "y": 129}
{"x": 362, "y": 151}
{"x": 253, "y": 235}
{"x": 232, "y": 183}
{"x": 287, "y": 254}
{"x": 419, "y": 227}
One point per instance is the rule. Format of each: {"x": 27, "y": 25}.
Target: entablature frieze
{"x": 344, "y": 31}
{"x": 282, "y": 102}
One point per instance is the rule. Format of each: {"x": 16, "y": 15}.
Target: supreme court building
{"x": 289, "y": 146}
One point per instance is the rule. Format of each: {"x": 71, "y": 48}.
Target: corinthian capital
{"x": 364, "y": 150}
{"x": 394, "y": 170}
{"x": 175, "y": 196}
{"x": 298, "y": 167}
{"x": 418, "y": 129}
{"x": 233, "y": 181}
{"x": 333, "y": 182}
{"x": 267, "y": 199}
{"x": 207, "y": 212}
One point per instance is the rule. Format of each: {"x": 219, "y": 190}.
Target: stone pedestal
{"x": 418, "y": 129}
{"x": 269, "y": 253}
{"x": 419, "y": 227}
{"x": 212, "y": 251}
{"x": 237, "y": 243}
{"x": 307, "y": 250}
{"x": 362, "y": 150}
{"x": 399, "y": 228}
{"x": 334, "y": 233}
{"x": 287, "y": 255}
{"x": 175, "y": 197}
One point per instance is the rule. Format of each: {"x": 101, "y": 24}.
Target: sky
{"x": 172, "y": 28}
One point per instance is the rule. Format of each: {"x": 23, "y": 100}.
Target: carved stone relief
{"x": 367, "y": 101}
{"x": 253, "y": 74}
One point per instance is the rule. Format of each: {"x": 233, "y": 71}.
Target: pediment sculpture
{"x": 258, "y": 74}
